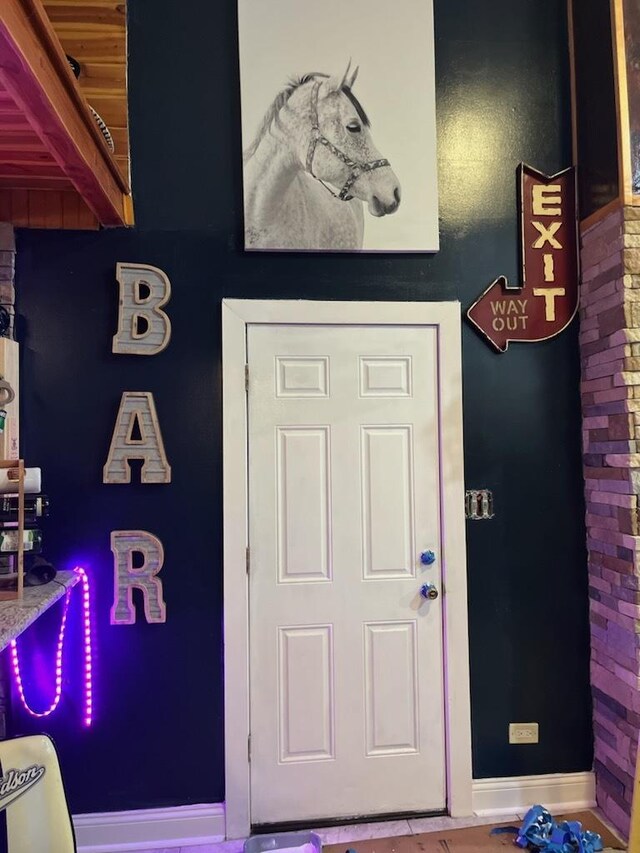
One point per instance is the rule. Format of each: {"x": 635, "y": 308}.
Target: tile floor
{"x": 361, "y": 832}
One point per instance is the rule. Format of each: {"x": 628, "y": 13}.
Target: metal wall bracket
{"x": 478, "y": 504}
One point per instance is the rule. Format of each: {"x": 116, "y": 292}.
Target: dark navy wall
{"x": 503, "y": 96}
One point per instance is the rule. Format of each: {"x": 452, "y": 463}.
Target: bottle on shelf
{"x": 32, "y": 541}
{"x": 35, "y": 507}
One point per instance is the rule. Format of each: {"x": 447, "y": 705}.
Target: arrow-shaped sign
{"x": 547, "y": 300}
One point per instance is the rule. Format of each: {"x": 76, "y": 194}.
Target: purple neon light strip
{"x": 58, "y": 689}
{"x": 88, "y": 662}
{"x": 88, "y": 658}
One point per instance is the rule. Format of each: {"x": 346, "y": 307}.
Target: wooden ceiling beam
{"x": 29, "y": 182}
{"x": 114, "y": 5}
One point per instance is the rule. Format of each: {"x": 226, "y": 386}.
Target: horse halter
{"x": 357, "y": 169}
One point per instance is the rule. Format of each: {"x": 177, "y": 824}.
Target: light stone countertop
{"x": 16, "y": 616}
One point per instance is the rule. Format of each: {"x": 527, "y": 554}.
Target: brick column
{"x": 610, "y": 388}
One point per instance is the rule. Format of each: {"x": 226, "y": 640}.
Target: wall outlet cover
{"x": 523, "y": 733}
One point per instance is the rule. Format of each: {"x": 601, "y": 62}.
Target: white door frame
{"x": 237, "y": 314}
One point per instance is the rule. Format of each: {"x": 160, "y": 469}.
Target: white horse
{"x": 311, "y": 167}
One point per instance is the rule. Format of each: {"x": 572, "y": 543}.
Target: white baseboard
{"x": 513, "y": 795}
{"x": 149, "y": 829}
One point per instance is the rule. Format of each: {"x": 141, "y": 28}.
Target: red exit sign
{"x": 546, "y": 300}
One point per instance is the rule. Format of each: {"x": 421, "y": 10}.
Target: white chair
{"x": 34, "y": 815}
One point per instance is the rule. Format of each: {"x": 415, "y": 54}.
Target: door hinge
{"x": 248, "y": 558}
{"x": 246, "y": 377}
{"x": 249, "y": 747}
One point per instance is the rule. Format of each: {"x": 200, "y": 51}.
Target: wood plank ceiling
{"x": 95, "y": 33}
{"x": 35, "y": 191}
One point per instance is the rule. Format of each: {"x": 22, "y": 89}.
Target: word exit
{"x": 545, "y": 301}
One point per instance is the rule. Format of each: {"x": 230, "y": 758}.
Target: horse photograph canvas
{"x": 338, "y": 125}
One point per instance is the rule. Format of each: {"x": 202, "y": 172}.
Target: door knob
{"x": 427, "y": 558}
{"x": 428, "y": 591}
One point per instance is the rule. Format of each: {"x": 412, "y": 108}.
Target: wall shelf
{"x": 17, "y": 616}
{"x": 56, "y": 170}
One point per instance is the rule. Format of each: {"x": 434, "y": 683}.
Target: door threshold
{"x": 327, "y": 823}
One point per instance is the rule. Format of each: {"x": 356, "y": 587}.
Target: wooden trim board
{"x": 634, "y": 833}
{"x": 622, "y": 98}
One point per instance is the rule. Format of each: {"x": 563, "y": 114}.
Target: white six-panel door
{"x": 346, "y": 655}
